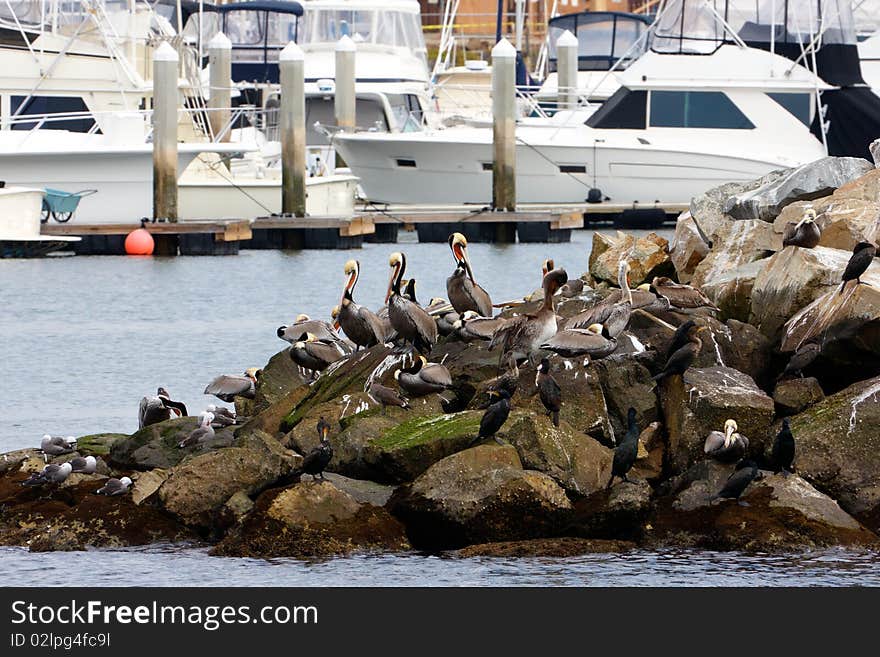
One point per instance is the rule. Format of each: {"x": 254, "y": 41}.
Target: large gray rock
{"x": 874, "y": 148}
{"x": 838, "y": 448}
{"x": 196, "y": 490}
{"x": 479, "y": 495}
{"x": 794, "y": 395}
{"x": 619, "y": 512}
{"x": 778, "y": 513}
{"x": 688, "y": 247}
{"x": 808, "y": 181}
{"x": 155, "y": 446}
{"x": 702, "y": 401}
{"x": 577, "y": 462}
{"x": 311, "y": 519}
{"x": 708, "y": 209}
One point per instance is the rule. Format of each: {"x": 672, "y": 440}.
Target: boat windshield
{"x": 396, "y": 29}
{"x": 698, "y": 26}
{"x": 603, "y": 38}
{"x": 46, "y": 14}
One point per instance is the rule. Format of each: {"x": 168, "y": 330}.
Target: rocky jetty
{"x": 418, "y": 477}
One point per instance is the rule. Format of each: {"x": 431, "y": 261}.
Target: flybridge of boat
{"x": 604, "y": 37}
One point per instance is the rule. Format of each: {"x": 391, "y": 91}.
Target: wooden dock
{"x": 371, "y": 223}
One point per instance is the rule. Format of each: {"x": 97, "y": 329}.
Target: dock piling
{"x": 220, "y": 101}
{"x": 567, "y": 70}
{"x": 165, "y": 61}
{"x": 504, "y": 126}
{"x": 293, "y": 130}
{"x": 344, "y": 99}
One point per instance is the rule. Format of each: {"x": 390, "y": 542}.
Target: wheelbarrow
{"x": 61, "y": 205}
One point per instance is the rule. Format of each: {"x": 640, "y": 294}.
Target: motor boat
{"x": 20, "y": 209}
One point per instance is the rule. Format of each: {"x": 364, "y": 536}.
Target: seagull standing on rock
{"x": 51, "y": 474}
{"x": 113, "y": 487}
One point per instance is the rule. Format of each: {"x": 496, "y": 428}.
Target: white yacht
{"x": 867, "y": 21}
{"x": 698, "y": 109}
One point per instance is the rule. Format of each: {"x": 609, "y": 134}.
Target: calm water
{"x": 83, "y": 339}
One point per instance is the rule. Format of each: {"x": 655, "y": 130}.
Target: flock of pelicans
{"x": 469, "y": 313}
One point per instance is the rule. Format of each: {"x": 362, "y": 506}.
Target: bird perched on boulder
{"x": 494, "y": 418}
{"x": 227, "y": 387}
{"x": 113, "y": 487}
{"x": 361, "y": 325}
{"x": 680, "y": 337}
{"x": 782, "y": 455}
{"x": 681, "y": 298}
{"x": 471, "y": 326}
{"x": 201, "y": 433}
{"x": 507, "y": 380}
{"x": 683, "y": 357}
{"x": 548, "y": 390}
{"x": 223, "y": 417}
{"x": 386, "y": 396}
{"x": 803, "y": 357}
{"x": 83, "y": 465}
{"x": 463, "y": 291}
{"x": 594, "y": 341}
{"x": 423, "y": 378}
{"x": 304, "y": 324}
{"x": 319, "y": 458}
{"x": 862, "y": 256}
{"x": 56, "y": 445}
{"x": 158, "y": 408}
{"x": 627, "y": 451}
{"x": 727, "y": 447}
{"x": 314, "y": 354}
{"x": 805, "y": 233}
{"x": 51, "y": 474}
{"x": 746, "y": 472}
{"x": 409, "y": 319}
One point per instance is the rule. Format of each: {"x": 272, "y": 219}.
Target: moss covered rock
{"x": 98, "y": 444}
{"x": 279, "y": 377}
{"x": 156, "y": 446}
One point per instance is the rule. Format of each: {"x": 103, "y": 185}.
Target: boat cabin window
{"x": 406, "y": 111}
{"x": 624, "y": 110}
{"x": 48, "y": 105}
{"x": 369, "y": 112}
{"x": 696, "y": 109}
{"x": 798, "y": 105}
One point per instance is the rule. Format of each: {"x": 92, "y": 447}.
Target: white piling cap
{"x": 165, "y": 53}
{"x": 345, "y": 44}
{"x": 566, "y": 39}
{"x": 503, "y": 49}
{"x": 291, "y": 53}
{"x": 220, "y": 42}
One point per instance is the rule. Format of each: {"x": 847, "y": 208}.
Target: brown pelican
{"x": 464, "y": 292}
{"x": 683, "y": 357}
{"x": 410, "y": 321}
{"x": 51, "y": 474}
{"x": 727, "y": 447}
{"x": 223, "y": 417}
{"x": 524, "y": 334}
{"x": 227, "y": 387}
{"x": 113, "y": 486}
{"x": 386, "y": 396}
{"x": 548, "y": 390}
{"x": 84, "y": 465}
{"x": 201, "y": 433}
{"x": 56, "y": 445}
{"x": 615, "y": 311}
{"x": 594, "y": 341}
{"x": 304, "y": 324}
{"x": 681, "y": 297}
{"x": 574, "y": 288}
{"x": 471, "y": 326}
{"x": 159, "y": 408}
{"x": 804, "y": 233}
{"x": 360, "y": 323}
{"x": 805, "y": 355}
{"x": 423, "y": 378}
{"x": 861, "y": 258}
{"x": 507, "y": 381}
{"x": 314, "y": 354}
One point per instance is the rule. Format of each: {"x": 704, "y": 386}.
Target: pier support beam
{"x": 293, "y": 130}
{"x": 220, "y": 101}
{"x": 566, "y": 71}
{"x": 504, "y": 126}
{"x": 344, "y": 99}
{"x": 165, "y": 62}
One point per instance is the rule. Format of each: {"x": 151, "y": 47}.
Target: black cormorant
{"x": 494, "y": 417}
{"x": 745, "y": 473}
{"x": 626, "y": 452}
{"x": 783, "y": 449}
{"x": 683, "y": 357}
{"x": 861, "y": 258}
{"x": 549, "y": 390}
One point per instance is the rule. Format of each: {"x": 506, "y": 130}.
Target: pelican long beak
{"x": 394, "y": 269}
{"x": 728, "y": 432}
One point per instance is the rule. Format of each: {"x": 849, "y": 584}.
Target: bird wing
{"x": 595, "y": 315}
{"x": 508, "y": 333}
{"x": 142, "y": 411}
{"x": 373, "y": 321}
{"x": 576, "y": 340}
{"x": 228, "y": 384}
{"x": 684, "y": 296}
{"x": 788, "y": 232}
{"x": 436, "y": 374}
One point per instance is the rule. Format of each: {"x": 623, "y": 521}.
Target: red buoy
{"x": 139, "y": 242}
